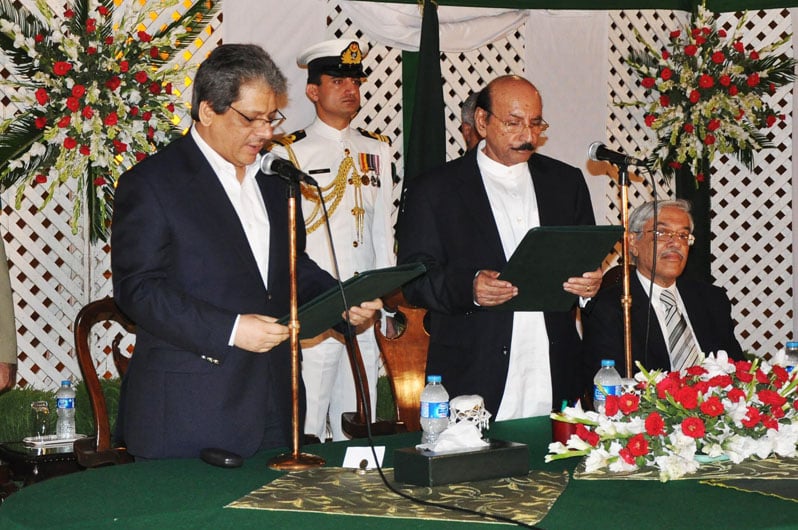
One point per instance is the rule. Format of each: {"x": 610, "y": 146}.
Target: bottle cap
{"x": 793, "y": 344}
{"x": 433, "y": 379}
{"x": 66, "y": 382}
{"x": 607, "y": 362}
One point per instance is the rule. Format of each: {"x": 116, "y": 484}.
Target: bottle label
{"x": 434, "y": 410}
{"x": 65, "y": 403}
{"x": 611, "y": 390}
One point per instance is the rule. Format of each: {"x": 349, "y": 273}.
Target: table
{"x": 31, "y": 464}
{"x": 191, "y": 494}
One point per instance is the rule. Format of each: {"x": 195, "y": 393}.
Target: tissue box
{"x": 424, "y": 468}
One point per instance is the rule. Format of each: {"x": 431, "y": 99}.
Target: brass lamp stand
{"x": 626, "y": 297}
{"x": 295, "y": 460}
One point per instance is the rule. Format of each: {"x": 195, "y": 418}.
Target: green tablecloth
{"x": 192, "y": 494}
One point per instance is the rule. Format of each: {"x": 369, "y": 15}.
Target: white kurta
{"x": 360, "y": 245}
{"x": 527, "y": 390}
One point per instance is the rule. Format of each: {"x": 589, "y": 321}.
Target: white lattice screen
{"x": 54, "y": 273}
{"x": 751, "y": 210}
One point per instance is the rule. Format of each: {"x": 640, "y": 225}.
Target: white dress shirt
{"x": 527, "y": 390}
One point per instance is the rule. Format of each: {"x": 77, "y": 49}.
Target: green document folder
{"x": 547, "y": 257}
{"x": 324, "y": 311}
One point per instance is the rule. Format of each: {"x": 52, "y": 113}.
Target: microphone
{"x": 272, "y": 164}
{"x": 598, "y": 152}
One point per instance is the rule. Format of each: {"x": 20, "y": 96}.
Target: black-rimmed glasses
{"x": 256, "y": 123}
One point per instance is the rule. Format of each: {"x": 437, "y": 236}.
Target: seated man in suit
{"x": 683, "y": 317}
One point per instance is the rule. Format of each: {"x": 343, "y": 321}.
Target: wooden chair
{"x": 97, "y": 450}
{"x": 405, "y": 357}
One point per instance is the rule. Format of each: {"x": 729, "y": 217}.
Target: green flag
{"x": 426, "y": 146}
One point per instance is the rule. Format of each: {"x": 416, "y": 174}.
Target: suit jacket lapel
{"x": 657, "y": 349}
{"x": 211, "y": 199}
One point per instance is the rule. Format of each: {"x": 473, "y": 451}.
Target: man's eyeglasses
{"x": 516, "y": 126}
{"x": 681, "y": 237}
{"x": 256, "y": 123}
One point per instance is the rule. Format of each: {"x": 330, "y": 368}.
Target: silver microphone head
{"x": 266, "y": 161}
{"x": 592, "y": 151}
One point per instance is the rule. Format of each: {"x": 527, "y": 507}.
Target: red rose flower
{"x": 712, "y": 407}
{"x": 753, "y": 79}
{"x": 111, "y": 119}
{"x": 119, "y": 147}
{"x": 780, "y": 375}
{"x": 664, "y": 100}
{"x": 695, "y": 370}
{"x": 41, "y": 179}
{"x": 147, "y": 115}
{"x": 88, "y": 112}
{"x": 736, "y": 394}
{"x": 168, "y": 88}
{"x": 73, "y": 104}
{"x": 722, "y": 33}
{"x": 771, "y": 397}
{"x": 99, "y": 181}
{"x": 689, "y": 128}
{"x": 771, "y": 88}
{"x": 675, "y": 165}
{"x": 38, "y": 38}
{"x": 40, "y": 122}
{"x": 724, "y": 80}
{"x": 752, "y": 418}
{"x": 700, "y": 40}
{"x": 141, "y": 76}
{"x": 761, "y": 377}
{"x": 627, "y": 456}
{"x": 713, "y": 125}
{"x": 695, "y": 32}
{"x": 754, "y": 55}
{"x": 41, "y": 96}
{"x": 675, "y": 34}
{"x": 134, "y": 111}
{"x": 738, "y": 46}
{"x": 655, "y": 425}
{"x": 124, "y": 66}
{"x": 666, "y": 73}
{"x": 61, "y": 68}
{"x": 720, "y": 381}
{"x": 587, "y": 435}
{"x": 695, "y": 95}
{"x": 709, "y": 139}
{"x": 144, "y": 36}
{"x": 629, "y": 403}
{"x": 718, "y": 57}
{"x": 650, "y": 119}
{"x": 666, "y": 54}
{"x": 687, "y": 396}
{"x": 140, "y": 156}
{"x": 150, "y": 133}
{"x": 700, "y": 177}
{"x": 109, "y": 40}
{"x": 91, "y": 25}
{"x": 706, "y": 81}
{"x": 85, "y": 150}
{"x": 103, "y": 11}
{"x": 78, "y": 91}
{"x": 155, "y": 88}
{"x": 648, "y": 82}
{"x": 70, "y": 143}
{"x": 690, "y": 50}
{"x": 611, "y": 406}
{"x": 733, "y": 90}
{"x": 68, "y": 13}
{"x": 770, "y": 120}
{"x": 770, "y": 423}
{"x": 113, "y": 83}
{"x": 91, "y": 50}
{"x": 154, "y": 52}
{"x": 64, "y": 122}
{"x": 170, "y": 107}
{"x": 638, "y": 445}
{"x": 693, "y": 427}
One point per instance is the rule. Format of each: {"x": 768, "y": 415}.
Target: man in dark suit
{"x": 660, "y": 253}
{"x": 463, "y": 221}
{"x": 200, "y": 263}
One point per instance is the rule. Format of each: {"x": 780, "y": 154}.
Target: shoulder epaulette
{"x": 288, "y": 139}
{"x": 369, "y": 134}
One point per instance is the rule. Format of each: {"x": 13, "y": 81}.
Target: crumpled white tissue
{"x": 458, "y": 437}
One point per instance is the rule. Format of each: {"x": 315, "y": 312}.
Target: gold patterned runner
{"x": 336, "y": 490}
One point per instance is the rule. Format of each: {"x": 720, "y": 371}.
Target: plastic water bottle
{"x": 610, "y": 380}
{"x": 65, "y": 407}
{"x": 791, "y": 353}
{"x": 434, "y": 409}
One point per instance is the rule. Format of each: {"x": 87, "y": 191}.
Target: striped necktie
{"x": 682, "y": 345}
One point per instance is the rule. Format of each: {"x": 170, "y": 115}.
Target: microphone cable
{"x": 350, "y": 338}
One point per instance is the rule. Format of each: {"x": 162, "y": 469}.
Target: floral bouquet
{"x": 96, "y": 92}
{"x": 709, "y": 94}
{"x": 720, "y": 409}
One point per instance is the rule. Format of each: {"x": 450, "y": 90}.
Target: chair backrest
{"x": 103, "y": 310}
{"x": 405, "y": 357}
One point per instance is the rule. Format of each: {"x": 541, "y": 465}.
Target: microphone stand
{"x": 295, "y": 460}
{"x": 626, "y": 297}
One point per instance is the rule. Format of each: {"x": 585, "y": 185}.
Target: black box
{"x": 425, "y": 468}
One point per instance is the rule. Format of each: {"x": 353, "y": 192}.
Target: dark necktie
{"x": 682, "y": 345}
